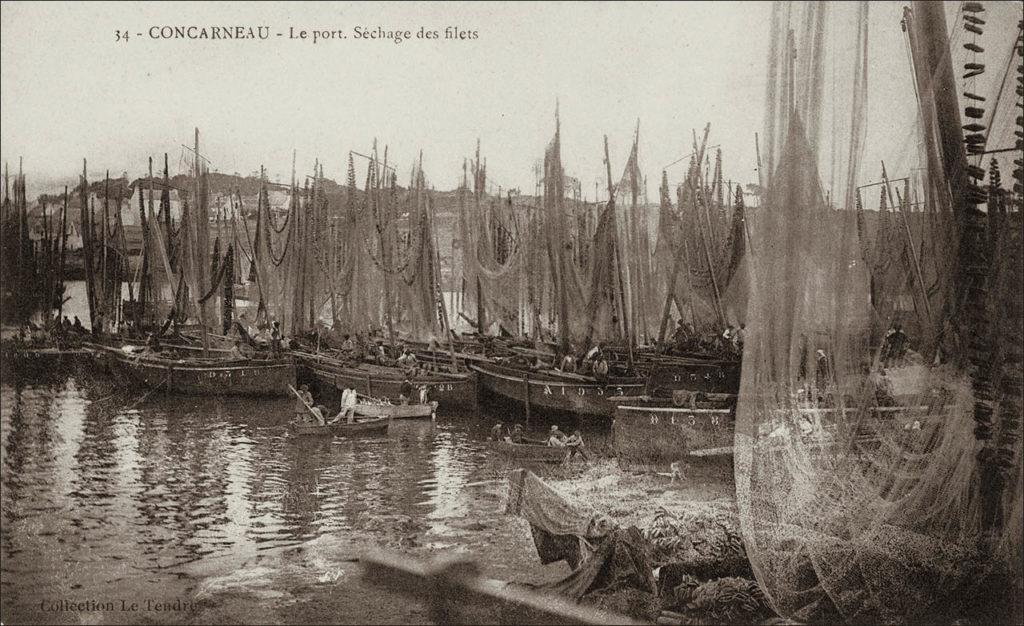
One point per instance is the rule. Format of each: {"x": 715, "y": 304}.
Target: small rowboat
{"x": 368, "y": 427}
{"x": 529, "y": 452}
{"x": 396, "y": 411}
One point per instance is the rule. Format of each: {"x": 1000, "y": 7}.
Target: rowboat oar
{"x": 481, "y": 483}
{"x": 299, "y": 396}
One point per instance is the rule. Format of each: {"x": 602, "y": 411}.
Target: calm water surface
{"x": 102, "y": 499}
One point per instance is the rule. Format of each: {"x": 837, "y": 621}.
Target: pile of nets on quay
{"x": 685, "y": 566}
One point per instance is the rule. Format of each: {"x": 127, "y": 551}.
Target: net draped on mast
{"x": 861, "y": 486}
{"x": 700, "y": 250}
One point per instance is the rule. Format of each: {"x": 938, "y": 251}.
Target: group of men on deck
{"x": 594, "y": 363}
{"x": 685, "y": 339}
{"x": 249, "y": 338}
{"x": 34, "y": 334}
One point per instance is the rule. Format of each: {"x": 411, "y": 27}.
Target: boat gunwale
{"x": 362, "y": 374}
{"x": 638, "y": 382}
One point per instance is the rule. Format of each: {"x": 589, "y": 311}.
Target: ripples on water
{"x": 98, "y": 495}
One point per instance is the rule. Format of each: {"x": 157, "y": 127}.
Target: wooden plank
{"x": 456, "y": 594}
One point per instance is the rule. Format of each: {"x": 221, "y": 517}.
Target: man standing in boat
{"x": 601, "y": 367}
{"x": 568, "y": 363}
{"x": 349, "y": 398}
{"x": 275, "y": 338}
{"x": 895, "y": 346}
{"x": 405, "y": 391}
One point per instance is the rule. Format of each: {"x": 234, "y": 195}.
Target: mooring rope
{"x": 147, "y": 394}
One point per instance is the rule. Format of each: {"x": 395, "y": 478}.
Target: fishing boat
{"x": 528, "y": 452}
{"x": 553, "y": 391}
{"x": 687, "y": 405}
{"x": 202, "y": 377}
{"x": 368, "y": 427}
{"x": 396, "y": 411}
{"x": 39, "y": 362}
{"x": 653, "y": 430}
{"x": 368, "y": 379}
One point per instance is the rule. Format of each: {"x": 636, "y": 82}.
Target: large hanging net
{"x": 877, "y": 450}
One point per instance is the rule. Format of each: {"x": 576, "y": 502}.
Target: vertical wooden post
{"x": 526, "y": 396}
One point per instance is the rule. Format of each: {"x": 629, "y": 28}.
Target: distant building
{"x": 279, "y": 200}
{"x": 130, "y": 212}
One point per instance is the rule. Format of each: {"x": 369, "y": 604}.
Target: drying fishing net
{"x": 700, "y": 252}
{"x": 635, "y": 249}
{"x": 498, "y": 258}
{"x": 419, "y": 309}
{"x": 865, "y": 456}
{"x": 562, "y": 269}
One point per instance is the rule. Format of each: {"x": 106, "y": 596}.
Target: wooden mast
{"x": 201, "y": 250}
{"x": 618, "y": 259}
{"x": 481, "y": 324}
{"x": 86, "y": 229}
{"x": 63, "y": 247}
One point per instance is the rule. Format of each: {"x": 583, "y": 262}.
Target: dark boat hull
{"x": 41, "y": 362}
{"x": 577, "y": 396}
{"x": 448, "y": 391}
{"x": 234, "y": 378}
{"x": 656, "y": 432}
{"x": 528, "y": 453}
{"x": 369, "y": 427}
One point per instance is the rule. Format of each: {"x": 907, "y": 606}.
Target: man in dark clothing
{"x": 275, "y": 338}
{"x": 405, "y": 391}
{"x": 895, "y": 346}
{"x": 601, "y": 367}
{"x": 78, "y": 328}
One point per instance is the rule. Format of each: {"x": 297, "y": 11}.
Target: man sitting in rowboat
{"x": 575, "y": 444}
{"x": 303, "y": 401}
{"x": 557, "y": 438}
{"x": 318, "y": 414}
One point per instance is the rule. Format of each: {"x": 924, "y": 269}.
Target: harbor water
{"x": 110, "y": 494}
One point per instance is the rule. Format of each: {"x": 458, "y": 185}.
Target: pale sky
{"x": 69, "y": 90}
